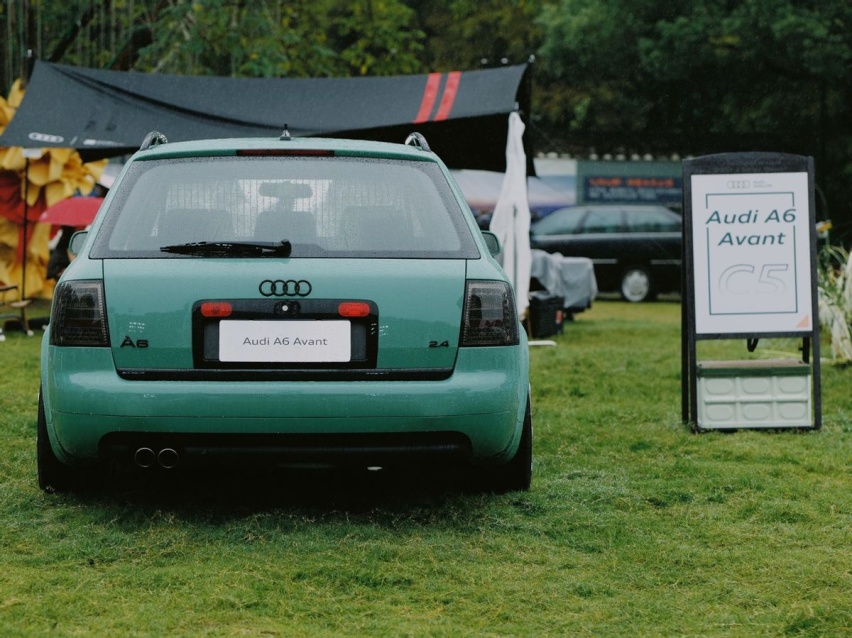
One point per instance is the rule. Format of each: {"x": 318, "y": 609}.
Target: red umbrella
{"x": 75, "y": 211}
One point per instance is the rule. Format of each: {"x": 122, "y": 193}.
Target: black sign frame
{"x": 737, "y": 164}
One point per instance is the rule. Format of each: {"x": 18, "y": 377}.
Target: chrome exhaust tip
{"x": 168, "y": 458}
{"x": 145, "y": 457}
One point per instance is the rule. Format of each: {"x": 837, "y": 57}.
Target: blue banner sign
{"x": 632, "y": 190}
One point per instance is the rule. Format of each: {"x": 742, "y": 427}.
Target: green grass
{"x": 634, "y": 525}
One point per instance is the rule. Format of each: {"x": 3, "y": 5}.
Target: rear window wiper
{"x": 232, "y": 248}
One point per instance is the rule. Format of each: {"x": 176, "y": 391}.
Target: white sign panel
{"x": 751, "y": 243}
{"x": 284, "y": 341}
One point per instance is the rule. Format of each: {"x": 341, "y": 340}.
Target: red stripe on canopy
{"x": 430, "y": 94}
{"x": 450, "y": 90}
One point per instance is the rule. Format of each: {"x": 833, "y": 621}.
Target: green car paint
{"x": 427, "y": 364}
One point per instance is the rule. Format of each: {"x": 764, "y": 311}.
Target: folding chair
{"x": 13, "y": 310}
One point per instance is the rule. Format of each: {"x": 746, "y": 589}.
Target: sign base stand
{"x": 773, "y": 393}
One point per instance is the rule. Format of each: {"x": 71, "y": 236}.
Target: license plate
{"x": 285, "y": 341}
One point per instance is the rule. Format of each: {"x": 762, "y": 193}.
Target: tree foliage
{"x": 705, "y": 76}
{"x": 267, "y": 38}
{"x": 466, "y": 34}
{"x": 245, "y": 38}
{"x": 741, "y": 65}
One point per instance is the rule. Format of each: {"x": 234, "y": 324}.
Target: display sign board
{"x": 749, "y": 255}
{"x": 751, "y": 243}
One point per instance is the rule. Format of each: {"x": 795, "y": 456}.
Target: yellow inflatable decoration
{"x": 40, "y": 178}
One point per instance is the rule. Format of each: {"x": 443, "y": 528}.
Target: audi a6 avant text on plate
{"x": 636, "y": 250}
{"x": 297, "y": 302}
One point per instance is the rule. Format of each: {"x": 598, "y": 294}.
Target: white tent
{"x": 511, "y": 219}
{"x": 546, "y": 193}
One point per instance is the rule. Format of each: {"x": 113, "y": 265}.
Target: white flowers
{"x": 835, "y": 300}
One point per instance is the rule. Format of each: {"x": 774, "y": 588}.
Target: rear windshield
{"x": 323, "y": 206}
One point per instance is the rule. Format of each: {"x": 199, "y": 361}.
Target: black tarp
{"x": 464, "y": 115}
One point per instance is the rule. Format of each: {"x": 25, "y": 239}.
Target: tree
{"x": 267, "y": 38}
{"x": 734, "y": 64}
{"x": 705, "y": 76}
{"x": 245, "y": 38}
{"x": 466, "y": 34}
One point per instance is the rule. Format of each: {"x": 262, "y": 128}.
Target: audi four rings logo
{"x": 739, "y": 183}
{"x": 282, "y": 288}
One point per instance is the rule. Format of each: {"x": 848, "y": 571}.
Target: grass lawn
{"x": 634, "y": 526}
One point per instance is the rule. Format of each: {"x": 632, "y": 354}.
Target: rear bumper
{"x": 300, "y": 450}
{"x": 480, "y": 407}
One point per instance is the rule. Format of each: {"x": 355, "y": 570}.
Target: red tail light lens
{"x": 79, "y": 317}
{"x": 353, "y": 309}
{"x": 216, "y": 309}
{"x": 489, "y": 317}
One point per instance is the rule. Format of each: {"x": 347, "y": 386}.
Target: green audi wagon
{"x": 284, "y": 302}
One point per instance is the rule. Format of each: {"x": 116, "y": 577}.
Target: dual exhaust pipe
{"x": 167, "y": 458}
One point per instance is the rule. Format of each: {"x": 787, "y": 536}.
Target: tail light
{"x": 216, "y": 309}
{"x": 353, "y": 309}
{"x": 489, "y": 317}
{"x": 79, "y": 316}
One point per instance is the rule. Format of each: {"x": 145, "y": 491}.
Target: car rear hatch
{"x": 304, "y": 260}
{"x": 221, "y": 318}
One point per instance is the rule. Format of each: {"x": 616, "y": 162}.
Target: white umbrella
{"x": 511, "y": 219}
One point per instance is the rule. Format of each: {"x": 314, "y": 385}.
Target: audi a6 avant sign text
{"x": 290, "y": 302}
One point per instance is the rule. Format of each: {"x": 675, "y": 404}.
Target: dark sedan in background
{"x": 636, "y": 250}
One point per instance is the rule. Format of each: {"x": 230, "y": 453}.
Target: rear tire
{"x": 516, "y": 475}
{"x": 637, "y": 285}
{"x": 53, "y": 474}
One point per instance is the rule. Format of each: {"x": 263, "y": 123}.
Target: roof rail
{"x": 416, "y": 139}
{"x": 153, "y": 138}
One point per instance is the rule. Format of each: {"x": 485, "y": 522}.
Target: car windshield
{"x": 653, "y": 220}
{"x": 602, "y": 220}
{"x": 560, "y": 222}
{"x": 322, "y": 207}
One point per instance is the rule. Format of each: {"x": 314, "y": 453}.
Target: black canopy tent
{"x": 464, "y": 115}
